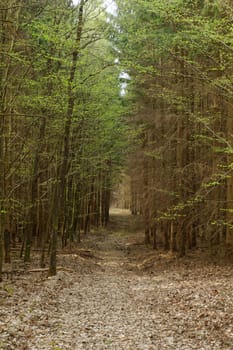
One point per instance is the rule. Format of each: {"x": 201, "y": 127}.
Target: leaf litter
{"x": 111, "y": 299}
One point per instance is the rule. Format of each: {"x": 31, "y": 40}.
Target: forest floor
{"x": 115, "y": 293}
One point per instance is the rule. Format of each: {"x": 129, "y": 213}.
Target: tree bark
{"x": 69, "y": 114}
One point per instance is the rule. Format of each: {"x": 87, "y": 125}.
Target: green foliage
{"x": 179, "y": 56}
{"x": 63, "y": 114}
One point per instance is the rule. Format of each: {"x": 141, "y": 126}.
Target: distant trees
{"x": 179, "y": 56}
{"x": 62, "y": 133}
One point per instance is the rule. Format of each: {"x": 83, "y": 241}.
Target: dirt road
{"x": 116, "y": 303}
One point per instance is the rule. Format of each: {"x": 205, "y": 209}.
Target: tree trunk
{"x": 229, "y": 192}
{"x": 69, "y": 115}
{"x": 7, "y": 246}
{"x": 53, "y": 255}
{"x": 31, "y": 231}
{"x": 1, "y": 253}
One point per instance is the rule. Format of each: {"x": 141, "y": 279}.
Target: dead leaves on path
{"x": 119, "y": 295}
{"x": 178, "y": 308}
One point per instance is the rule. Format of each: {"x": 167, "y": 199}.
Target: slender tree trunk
{"x": 182, "y": 161}
{"x": 229, "y": 192}
{"x": 53, "y": 238}
{"x": 62, "y": 186}
{"x": 154, "y": 235}
{"x": 146, "y": 209}
{"x": 7, "y": 246}
{"x": 53, "y": 255}
{"x": 1, "y": 190}
{"x": 173, "y": 242}
{"x": 69, "y": 114}
{"x": 31, "y": 230}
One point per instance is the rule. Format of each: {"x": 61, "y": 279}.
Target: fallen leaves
{"x": 102, "y": 301}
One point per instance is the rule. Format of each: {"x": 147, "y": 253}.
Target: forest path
{"x": 123, "y": 244}
{"x": 113, "y": 302}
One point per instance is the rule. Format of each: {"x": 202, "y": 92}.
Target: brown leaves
{"x": 104, "y": 305}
